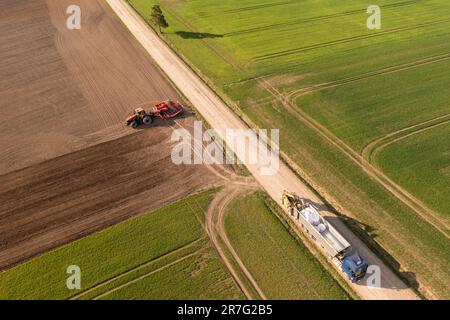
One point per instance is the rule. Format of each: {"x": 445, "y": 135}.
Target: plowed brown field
{"x": 68, "y": 165}
{"x": 62, "y": 90}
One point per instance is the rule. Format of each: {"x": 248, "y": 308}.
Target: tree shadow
{"x": 197, "y": 35}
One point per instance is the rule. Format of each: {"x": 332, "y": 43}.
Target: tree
{"x": 157, "y": 18}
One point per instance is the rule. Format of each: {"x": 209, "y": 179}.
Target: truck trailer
{"x": 337, "y": 248}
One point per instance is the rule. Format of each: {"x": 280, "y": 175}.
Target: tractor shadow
{"x": 197, "y": 35}
{"x": 368, "y": 234}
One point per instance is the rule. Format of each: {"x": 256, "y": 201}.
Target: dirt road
{"x": 218, "y": 115}
{"x": 215, "y": 229}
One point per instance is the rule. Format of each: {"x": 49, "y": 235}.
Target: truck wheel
{"x": 147, "y": 120}
{"x": 134, "y": 124}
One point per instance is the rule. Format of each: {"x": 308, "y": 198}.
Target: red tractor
{"x": 164, "y": 110}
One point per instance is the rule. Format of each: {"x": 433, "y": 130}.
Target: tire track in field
{"x": 64, "y": 46}
{"x": 293, "y": 95}
{"x": 257, "y": 7}
{"x": 229, "y": 175}
{"x": 210, "y": 230}
{"x": 312, "y": 19}
{"x": 139, "y": 267}
{"x": 211, "y": 168}
{"x": 106, "y": 293}
{"x": 345, "y": 40}
{"x": 214, "y": 228}
{"x": 372, "y": 149}
{"x": 242, "y": 9}
{"x": 224, "y": 237}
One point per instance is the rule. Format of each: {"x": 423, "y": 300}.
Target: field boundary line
{"x": 136, "y": 268}
{"x": 126, "y": 284}
{"x": 344, "y": 40}
{"x": 257, "y": 7}
{"x": 295, "y": 94}
{"x": 316, "y": 18}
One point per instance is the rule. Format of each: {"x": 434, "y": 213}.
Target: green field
{"x": 363, "y": 111}
{"x": 164, "y": 254}
{"x": 426, "y": 154}
{"x": 357, "y": 83}
{"x": 282, "y": 266}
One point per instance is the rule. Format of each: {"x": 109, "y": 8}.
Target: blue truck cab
{"x": 354, "y": 267}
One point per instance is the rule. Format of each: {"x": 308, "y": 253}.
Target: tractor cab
{"x": 354, "y": 267}
{"x": 139, "y": 111}
{"x": 139, "y": 117}
{"x": 164, "y": 111}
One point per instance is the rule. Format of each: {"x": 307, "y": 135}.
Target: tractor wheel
{"x": 134, "y": 124}
{"x": 147, "y": 120}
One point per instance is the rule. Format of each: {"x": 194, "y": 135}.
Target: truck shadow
{"x": 368, "y": 234}
{"x": 197, "y": 35}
